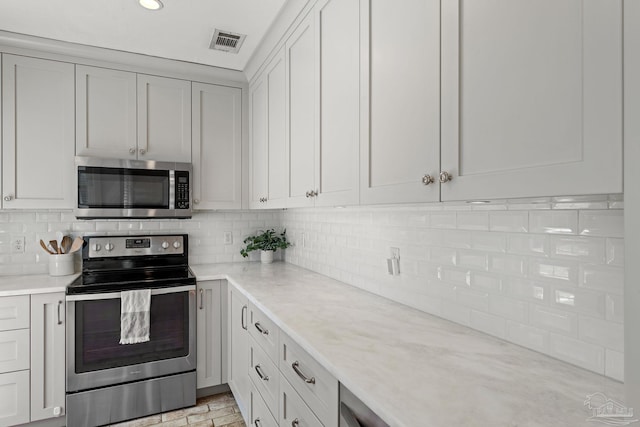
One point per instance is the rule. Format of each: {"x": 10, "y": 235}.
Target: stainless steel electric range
{"x": 108, "y": 382}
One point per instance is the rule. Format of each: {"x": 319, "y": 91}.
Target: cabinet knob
{"x": 307, "y": 194}
{"x": 314, "y": 193}
{"x": 132, "y": 151}
{"x": 8, "y": 198}
{"x": 428, "y": 179}
{"x": 196, "y": 201}
{"x": 142, "y": 151}
{"x": 445, "y": 177}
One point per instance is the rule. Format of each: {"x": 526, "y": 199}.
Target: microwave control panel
{"x": 182, "y": 189}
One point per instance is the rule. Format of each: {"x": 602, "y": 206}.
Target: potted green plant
{"x": 267, "y": 242}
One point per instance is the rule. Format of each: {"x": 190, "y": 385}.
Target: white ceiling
{"x": 181, "y": 30}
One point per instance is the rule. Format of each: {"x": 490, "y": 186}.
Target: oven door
{"x": 96, "y": 359}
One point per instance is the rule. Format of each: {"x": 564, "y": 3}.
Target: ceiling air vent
{"x": 226, "y": 41}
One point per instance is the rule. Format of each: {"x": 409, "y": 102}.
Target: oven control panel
{"x": 128, "y": 246}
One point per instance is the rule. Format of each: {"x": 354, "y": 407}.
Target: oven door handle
{"x": 116, "y": 295}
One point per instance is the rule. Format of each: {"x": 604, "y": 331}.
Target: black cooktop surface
{"x": 130, "y": 279}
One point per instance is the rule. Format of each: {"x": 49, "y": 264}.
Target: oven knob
{"x": 176, "y": 245}
{"x": 97, "y": 247}
{"x": 108, "y": 247}
{"x": 165, "y": 245}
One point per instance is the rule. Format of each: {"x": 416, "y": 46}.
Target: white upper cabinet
{"x": 531, "y": 98}
{"x": 37, "y": 133}
{"x": 269, "y": 154}
{"x": 301, "y": 113}
{"x": 164, "y": 119}
{"x": 400, "y": 109}
{"x": 217, "y": 146}
{"x": 337, "y": 29}
{"x": 105, "y": 113}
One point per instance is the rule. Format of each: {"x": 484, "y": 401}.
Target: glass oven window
{"x": 117, "y": 188}
{"x": 98, "y": 333}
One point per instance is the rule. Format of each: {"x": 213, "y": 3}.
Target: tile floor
{"x": 219, "y": 410}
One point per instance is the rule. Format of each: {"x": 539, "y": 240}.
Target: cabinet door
{"x": 105, "y": 113}
{"x": 14, "y": 398}
{"x": 209, "y": 322}
{"x": 278, "y": 164}
{"x": 238, "y": 358}
{"x": 48, "y": 363}
{"x": 337, "y": 24}
{"x": 259, "y": 159}
{"x": 531, "y": 98}
{"x": 217, "y": 146}
{"x": 400, "y": 101}
{"x": 164, "y": 119}
{"x": 38, "y": 109}
{"x": 301, "y": 114}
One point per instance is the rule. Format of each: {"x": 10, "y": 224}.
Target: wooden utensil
{"x": 66, "y": 244}
{"x": 44, "y": 246}
{"x": 77, "y": 244}
{"x": 54, "y": 245}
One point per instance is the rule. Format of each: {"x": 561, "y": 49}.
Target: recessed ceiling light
{"x": 151, "y": 4}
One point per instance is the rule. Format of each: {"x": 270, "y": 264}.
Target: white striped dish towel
{"x": 134, "y": 316}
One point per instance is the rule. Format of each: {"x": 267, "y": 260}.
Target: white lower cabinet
{"x": 261, "y": 416}
{"x": 209, "y": 334}
{"x": 47, "y": 356}
{"x": 238, "y": 349}
{"x": 14, "y": 398}
{"x": 294, "y": 411}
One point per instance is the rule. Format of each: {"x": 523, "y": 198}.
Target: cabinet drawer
{"x": 14, "y": 398}
{"x": 260, "y": 414}
{"x": 264, "y": 331}
{"x": 293, "y": 411}
{"x": 14, "y": 350}
{"x": 14, "y": 312}
{"x": 265, "y": 375}
{"x": 317, "y": 387}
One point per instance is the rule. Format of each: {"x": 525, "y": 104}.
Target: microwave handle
{"x": 116, "y": 295}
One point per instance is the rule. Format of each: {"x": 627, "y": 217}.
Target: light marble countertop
{"x": 411, "y": 368}
{"x": 34, "y": 284}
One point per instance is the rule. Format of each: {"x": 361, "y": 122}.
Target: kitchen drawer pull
{"x": 257, "y": 423}
{"x": 201, "y": 298}
{"x": 295, "y": 367}
{"x": 348, "y": 416}
{"x": 59, "y": 316}
{"x": 260, "y": 329}
{"x": 243, "y": 322}
{"x": 295, "y": 423}
{"x": 261, "y": 374}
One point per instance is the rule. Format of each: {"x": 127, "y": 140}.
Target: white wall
{"x": 545, "y": 273}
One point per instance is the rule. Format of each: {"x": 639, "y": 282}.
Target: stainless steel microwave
{"x": 114, "y": 188}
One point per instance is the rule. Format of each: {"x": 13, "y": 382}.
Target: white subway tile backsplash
{"x": 525, "y": 289}
{"x": 580, "y": 353}
{"x": 508, "y": 308}
{"x": 553, "y": 319}
{"x": 472, "y": 298}
{"x": 473, "y": 220}
{"x": 456, "y": 239}
{"x": 602, "y": 277}
{"x": 488, "y": 323}
{"x": 472, "y": 259}
{"x": 511, "y": 221}
{"x": 566, "y": 271}
{"x": 486, "y": 282}
{"x": 507, "y": 264}
{"x": 614, "y": 364}
{"x": 586, "y": 249}
{"x": 601, "y": 332}
{"x": 603, "y": 223}
{"x": 489, "y": 241}
{"x": 615, "y": 252}
{"x": 580, "y": 300}
{"x": 553, "y": 222}
{"x": 615, "y": 308}
{"x": 528, "y": 244}
{"x": 528, "y": 336}
{"x": 442, "y": 219}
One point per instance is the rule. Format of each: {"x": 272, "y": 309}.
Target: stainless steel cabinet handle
{"x": 142, "y": 151}
{"x": 8, "y": 198}
{"x": 132, "y": 151}
{"x": 295, "y": 365}
{"x": 243, "y": 322}
{"x": 428, "y": 179}
{"x": 307, "y": 194}
{"x": 260, "y": 329}
{"x": 257, "y": 422}
{"x": 261, "y": 374}
{"x": 295, "y": 423}
{"x": 445, "y": 177}
{"x": 201, "y": 298}
{"x": 59, "y": 316}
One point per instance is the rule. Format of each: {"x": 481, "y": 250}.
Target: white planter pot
{"x": 266, "y": 257}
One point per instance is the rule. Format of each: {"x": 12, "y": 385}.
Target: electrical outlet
{"x": 17, "y": 244}
{"x": 228, "y": 237}
{"x": 395, "y": 252}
